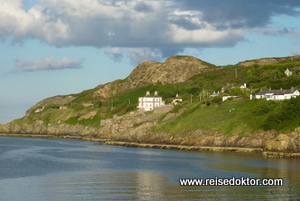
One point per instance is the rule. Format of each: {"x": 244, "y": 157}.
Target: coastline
{"x": 261, "y": 151}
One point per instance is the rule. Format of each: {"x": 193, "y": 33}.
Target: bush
{"x": 98, "y": 104}
{"x": 52, "y": 106}
{"x": 176, "y": 108}
{"x": 216, "y": 99}
{"x": 289, "y": 111}
{"x": 272, "y": 122}
{"x": 78, "y": 107}
{"x": 263, "y": 107}
{"x": 119, "y": 108}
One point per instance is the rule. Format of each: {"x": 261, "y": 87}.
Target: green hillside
{"x": 198, "y": 110}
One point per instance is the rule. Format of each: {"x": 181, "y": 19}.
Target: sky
{"x": 60, "y": 47}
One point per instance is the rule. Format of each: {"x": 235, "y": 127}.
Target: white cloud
{"x": 296, "y": 52}
{"x": 115, "y": 53}
{"x": 151, "y": 24}
{"x": 137, "y": 55}
{"x": 47, "y": 63}
{"x": 130, "y": 24}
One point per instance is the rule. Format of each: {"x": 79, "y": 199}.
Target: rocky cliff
{"x": 136, "y": 128}
{"x": 173, "y": 70}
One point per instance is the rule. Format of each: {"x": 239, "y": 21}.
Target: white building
{"x": 215, "y": 94}
{"x": 276, "y": 94}
{"x": 289, "y": 72}
{"x": 148, "y": 102}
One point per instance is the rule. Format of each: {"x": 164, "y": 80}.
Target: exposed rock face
{"x": 283, "y": 143}
{"x": 38, "y": 127}
{"x": 137, "y": 128}
{"x": 175, "y": 69}
{"x": 265, "y": 61}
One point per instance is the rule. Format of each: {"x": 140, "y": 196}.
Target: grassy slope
{"x": 221, "y": 118}
{"x": 196, "y": 115}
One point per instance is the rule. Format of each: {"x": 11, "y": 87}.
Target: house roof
{"x": 277, "y": 92}
{"x": 150, "y": 96}
{"x": 289, "y": 69}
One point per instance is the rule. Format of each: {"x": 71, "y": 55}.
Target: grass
{"x": 195, "y": 115}
{"x": 216, "y": 118}
{"x": 94, "y": 121}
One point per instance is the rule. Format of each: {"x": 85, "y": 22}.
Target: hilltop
{"x": 109, "y": 111}
{"x": 265, "y": 61}
{"x": 174, "y": 70}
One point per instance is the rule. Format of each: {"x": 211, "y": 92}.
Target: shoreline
{"x": 264, "y": 154}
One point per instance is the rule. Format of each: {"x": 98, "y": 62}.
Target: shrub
{"x": 78, "y": 107}
{"x": 263, "y": 107}
{"x": 118, "y": 108}
{"x": 176, "y": 108}
{"x": 289, "y": 111}
{"x": 52, "y": 106}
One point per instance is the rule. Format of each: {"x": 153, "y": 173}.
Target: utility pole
{"x": 235, "y": 73}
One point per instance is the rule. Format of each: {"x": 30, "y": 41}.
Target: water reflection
{"x": 53, "y": 169}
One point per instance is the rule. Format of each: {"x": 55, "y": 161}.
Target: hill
{"x": 109, "y": 111}
{"x": 176, "y": 69}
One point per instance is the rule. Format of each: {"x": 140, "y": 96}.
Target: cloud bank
{"x": 152, "y": 28}
{"x": 47, "y": 63}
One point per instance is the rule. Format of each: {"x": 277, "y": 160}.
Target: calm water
{"x": 57, "y": 169}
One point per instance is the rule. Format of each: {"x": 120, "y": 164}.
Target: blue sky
{"x": 59, "y": 47}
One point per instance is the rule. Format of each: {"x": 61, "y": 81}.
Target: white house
{"x": 231, "y": 86}
{"x": 289, "y": 72}
{"x": 243, "y": 87}
{"x": 176, "y": 100}
{"x": 215, "y": 94}
{"x": 276, "y": 94}
{"x": 224, "y": 98}
{"x": 148, "y": 102}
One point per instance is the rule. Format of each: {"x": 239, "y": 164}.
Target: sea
{"x": 38, "y": 169}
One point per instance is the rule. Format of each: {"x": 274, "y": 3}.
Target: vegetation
{"x": 198, "y": 110}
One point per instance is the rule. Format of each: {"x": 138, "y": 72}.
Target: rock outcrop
{"x": 136, "y": 128}
{"x": 175, "y": 69}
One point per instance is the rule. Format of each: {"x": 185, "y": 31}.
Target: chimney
{"x": 280, "y": 88}
{"x": 260, "y": 89}
{"x": 270, "y": 88}
{"x": 292, "y": 88}
{"x": 155, "y": 93}
{"x": 147, "y": 93}
{"x": 245, "y": 85}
